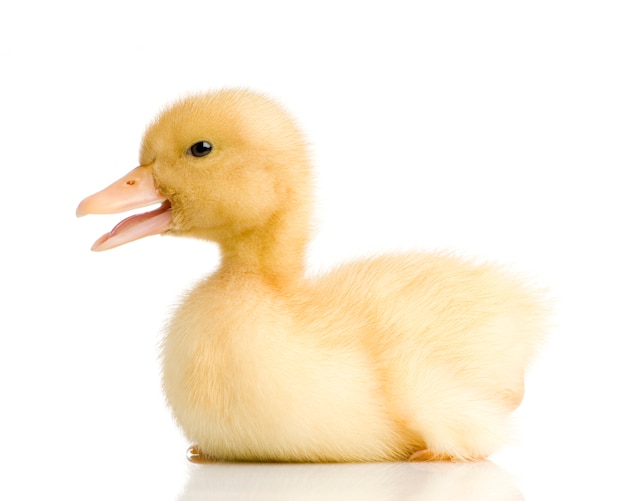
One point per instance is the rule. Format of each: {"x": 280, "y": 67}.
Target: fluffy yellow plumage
{"x": 412, "y": 356}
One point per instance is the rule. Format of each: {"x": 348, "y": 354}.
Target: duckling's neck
{"x": 275, "y": 252}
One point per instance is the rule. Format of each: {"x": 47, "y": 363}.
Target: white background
{"x": 494, "y": 129}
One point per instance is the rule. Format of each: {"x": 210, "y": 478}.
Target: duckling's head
{"x": 229, "y": 166}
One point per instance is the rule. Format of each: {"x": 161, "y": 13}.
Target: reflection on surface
{"x": 380, "y": 481}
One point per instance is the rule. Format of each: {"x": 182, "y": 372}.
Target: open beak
{"x": 133, "y": 191}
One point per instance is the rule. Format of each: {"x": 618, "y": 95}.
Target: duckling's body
{"x": 416, "y": 356}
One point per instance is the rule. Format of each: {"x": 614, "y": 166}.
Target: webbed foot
{"x": 195, "y": 455}
{"x": 428, "y": 455}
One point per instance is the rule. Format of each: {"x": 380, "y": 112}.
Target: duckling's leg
{"x": 195, "y": 455}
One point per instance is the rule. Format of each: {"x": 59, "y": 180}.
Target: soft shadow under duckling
{"x": 412, "y": 356}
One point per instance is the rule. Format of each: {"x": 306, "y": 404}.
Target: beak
{"x": 133, "y": 191}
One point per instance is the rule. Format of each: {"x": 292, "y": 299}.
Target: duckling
{"x": 398, "y": 357}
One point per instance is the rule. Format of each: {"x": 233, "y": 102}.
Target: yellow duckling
{"x": 413, "y": 356}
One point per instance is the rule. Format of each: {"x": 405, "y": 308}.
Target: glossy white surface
{"x": 489, "y": 128}
{"x": 436, "y": 481}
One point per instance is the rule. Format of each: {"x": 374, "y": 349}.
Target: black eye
{"x": 200, "y": 149}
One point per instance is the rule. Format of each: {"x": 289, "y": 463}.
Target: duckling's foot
{"x": 428, "y": 455}
{"x": 195, "y": 455}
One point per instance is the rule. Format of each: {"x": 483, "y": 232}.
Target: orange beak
{"x": 133, "y": 191}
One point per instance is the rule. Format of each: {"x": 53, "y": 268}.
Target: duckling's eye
{"x": 200, "y": 149}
